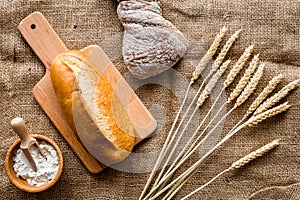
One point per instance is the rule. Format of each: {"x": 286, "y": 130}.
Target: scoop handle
{"x": 19, "y": 127}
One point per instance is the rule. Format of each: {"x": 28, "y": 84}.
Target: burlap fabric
{"x": 278, "y": 192}
{"x": 273, "y": 26}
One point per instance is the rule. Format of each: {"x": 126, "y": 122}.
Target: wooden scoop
{"x": 27, "y": 141}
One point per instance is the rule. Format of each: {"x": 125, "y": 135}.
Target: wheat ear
{"x": 255, "y": 154}
{"x": 212, "y": 83}
{"x": 225, "y": 50}
{"x": 244, "y": 80}
{"x": 251, "y": 86}
{"x": 267, "y": 114}
{"x": 276, "y": 97}
{"x": 209, "y": 54}
{"x": 261, "y": 97}
{"x": 238, "y": 66}
{"x": 264, "y": 94}
{"x": 238, "y": 164}
{"x": 206, "y": 92}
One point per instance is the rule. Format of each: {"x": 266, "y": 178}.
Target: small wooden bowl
{"x": 21, "y": 183}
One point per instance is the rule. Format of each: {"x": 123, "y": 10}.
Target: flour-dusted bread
{"x": 151, "y": 44}
{"x": 92, "y": 107}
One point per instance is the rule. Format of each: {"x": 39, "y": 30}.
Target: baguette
{"x": 92, "y": 108}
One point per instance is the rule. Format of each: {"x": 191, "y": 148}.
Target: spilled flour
{"x": 46, "y": 169}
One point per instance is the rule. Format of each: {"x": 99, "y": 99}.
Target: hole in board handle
{"x": 32, "y": 26}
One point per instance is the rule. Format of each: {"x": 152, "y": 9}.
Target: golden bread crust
{"x": 63, "y": 79}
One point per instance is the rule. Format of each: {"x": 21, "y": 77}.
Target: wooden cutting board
{"x": 47, "y": 45}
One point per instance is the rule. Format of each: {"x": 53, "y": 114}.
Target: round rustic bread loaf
{"x": 92, "y": 107}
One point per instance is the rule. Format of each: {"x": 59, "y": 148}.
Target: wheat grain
{"x": 203, "y": 97}
{"x": 224, "y": 51}
{"x": 209, "y": 54}
{"x": 267, "y": 114}
{"x": 251, "y": 86}
{"x": 276, "y": 97}
{"x": 266, "y": 91}
{"x": 246, "y": 77}
{"x": 238, "y": 66}
{"x": 212, "y": 83}
{"x": 223, "y": 68}
{"x": 255, "y": 154}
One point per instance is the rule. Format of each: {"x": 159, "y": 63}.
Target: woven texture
{"x": 272, "y": 25}
{"x": 290, "y": 192}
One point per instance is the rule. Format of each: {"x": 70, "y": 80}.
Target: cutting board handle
{"x": 41, "y": 37}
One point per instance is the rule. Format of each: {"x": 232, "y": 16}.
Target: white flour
{"x": 46, "y": 169}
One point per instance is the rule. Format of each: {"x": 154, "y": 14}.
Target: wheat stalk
{"x": 180, "y": 180}
{"x": 238, "y": 66}
{"x": 277, "y": 97}
{"x": 251, "y": 86}
{"x": 244, "y": 80}
{"x": 248, "y": 91}
{"x": 212, "y": 83}
{"x": 244, "y": 89}
{"x": 209, "y": 54}
{"x": 264, "y": 94}
{"x": 236, "y": 165}
{"x": 205, "y": 94}
{"x": 170, "y": 138}
{"x": 203, "y": 63}
{"x": 203, "y": 97}
{"x": 208, "y": 89}
{"x": 267, "y": 114}
{"x": 163, "y": 151}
